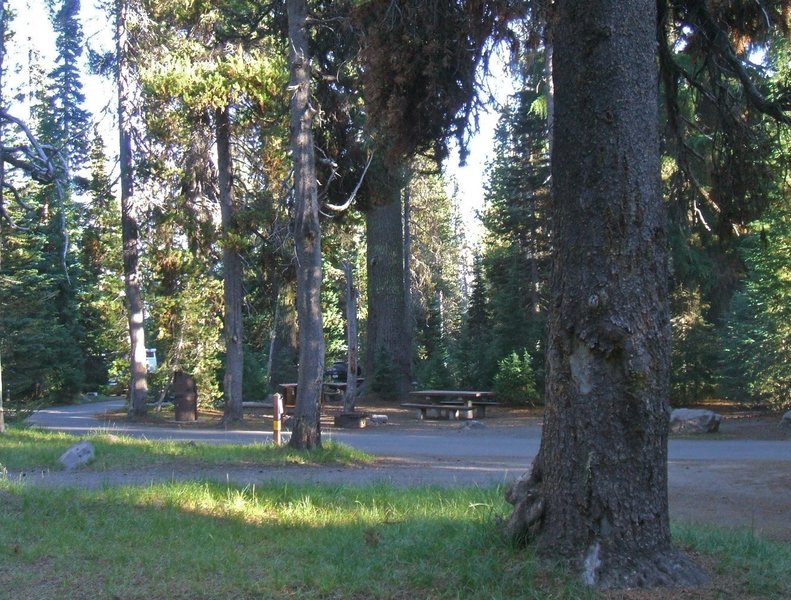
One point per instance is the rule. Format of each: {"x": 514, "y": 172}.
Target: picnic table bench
{"x": 331, "y": 391}
{"x": 443, "y": 404}
{"x": 438, "y": 411}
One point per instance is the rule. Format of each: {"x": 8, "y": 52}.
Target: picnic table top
{"x": 453, "y": 393}
{"x": 328, "y": 384}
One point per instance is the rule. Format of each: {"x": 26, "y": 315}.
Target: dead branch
{"x": 353, "y": 195}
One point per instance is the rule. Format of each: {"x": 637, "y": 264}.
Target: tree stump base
{"x": 352, "y": 420}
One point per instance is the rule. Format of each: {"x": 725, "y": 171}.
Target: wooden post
{"x": 277, "y": 405}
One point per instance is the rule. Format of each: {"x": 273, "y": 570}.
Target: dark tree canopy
{"x": 420, "y": 61}
{"x": 721, "y": 105}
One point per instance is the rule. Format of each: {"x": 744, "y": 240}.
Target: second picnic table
{"x": 445, "y": 404}
{"x": 330, "y": 390}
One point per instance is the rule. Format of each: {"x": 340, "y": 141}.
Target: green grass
{"x": 206, "y": 540}
{"x": 763, "y": 567}
{"x": 29, "y": 448}
{"x": 209, "y": 540}
{"x": 199, "y": 539}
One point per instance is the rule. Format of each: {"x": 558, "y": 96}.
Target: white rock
{"x": 79, "y": 454}
{"x": 377, "y": 419}
{"x": 694, "y": 420}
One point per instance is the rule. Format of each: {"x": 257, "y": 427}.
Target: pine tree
{"x": 127, "y": 13}
{"x": 476, "y": 359}
{"x": 597, "y": 491}
{"x": 757, "y": 336}
{"x": 66, "y": 97}
{"x": 306, "y": 433}
{"x": 48, "y": 259}
{"x": 517, "y": 248}
{"x": 101, "y": 280}
{"x": 436, "y": 273}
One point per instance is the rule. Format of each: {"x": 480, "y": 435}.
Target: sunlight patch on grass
{"x": 284, "y": 540}
{"x": 200, "y": 539}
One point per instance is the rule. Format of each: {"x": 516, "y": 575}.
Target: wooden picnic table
{"x": 445, "y": 404}
{"x": 329, "y": 389}
{"x": 289, "y": 393}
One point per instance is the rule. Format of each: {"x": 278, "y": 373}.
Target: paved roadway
{"x": 744, "y": 483}
{"x": 515, "y": 447}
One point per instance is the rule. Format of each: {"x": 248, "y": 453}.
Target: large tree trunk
{"x": 232, "y": 275}
{"x": 306, "y": 431}
{"x": 597, "y": 493}
{"x": 138, "y": 387}
{"x": 388, "y": 347}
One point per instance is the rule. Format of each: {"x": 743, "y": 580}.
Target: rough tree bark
{"x": 232, "y": 274}
{"x": 387, "y": 335}
{"x": 350, "y": 397}
{"x": 306, "y": 431}
{"x": 283, "y": 338}
{"x": 409, "y": 317}
{"x": 2, "y": 180}
{"x": 597, "y": 491}
{"x": 138, "y": 386}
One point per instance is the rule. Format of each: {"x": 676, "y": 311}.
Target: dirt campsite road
{"x": 739, "y": 477}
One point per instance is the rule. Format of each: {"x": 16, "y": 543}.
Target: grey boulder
{"x": 694, "y": 420}
{"x": 79, "y": 454}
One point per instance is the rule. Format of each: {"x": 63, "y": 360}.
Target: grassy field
{"x": 30, "y": 448}
{"x": 199, "y": 539}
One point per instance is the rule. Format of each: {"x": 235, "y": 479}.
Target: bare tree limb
{"x": 350, "y": 199}
{"x": 41, "y": 167}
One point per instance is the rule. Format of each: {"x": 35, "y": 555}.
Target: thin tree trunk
{"x": 232, "y": 274}
{"x": 597, "y": 492}
{"x": 2, "y": 409}
{"x": 2, "y": 182}
{"x": 350, "y": 398}
{"x": 138, "y": 387}
{"x": 284, "y": 347}
{"x": 270, "y": 361}
{"x": 306, "y": 430}
{"x": 409, "y": 317}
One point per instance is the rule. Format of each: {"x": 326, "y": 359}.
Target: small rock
{"x": 79, "y": 454}
{"x": 785, "y": 422}
{"x": 694, "y": 420}
{"x": 472, "y": 424}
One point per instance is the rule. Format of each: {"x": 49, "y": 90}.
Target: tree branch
{"x": 350, "y": 199}
{"x": 720, "y": 43}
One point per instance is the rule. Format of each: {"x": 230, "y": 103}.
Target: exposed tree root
{"x": 663, "y": 568}
{"x": 600, "y": 567}
{"x": 525, "y": 494}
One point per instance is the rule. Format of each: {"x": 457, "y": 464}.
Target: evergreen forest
{"x": 165, "y": 223}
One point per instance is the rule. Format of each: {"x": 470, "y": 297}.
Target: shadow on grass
{"x": 205, "y": 540}
{"x": 208, "y": 540}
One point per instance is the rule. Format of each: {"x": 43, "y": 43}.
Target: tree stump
{"x": 351, "y": 420}
{"x": 186, "y": 392}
